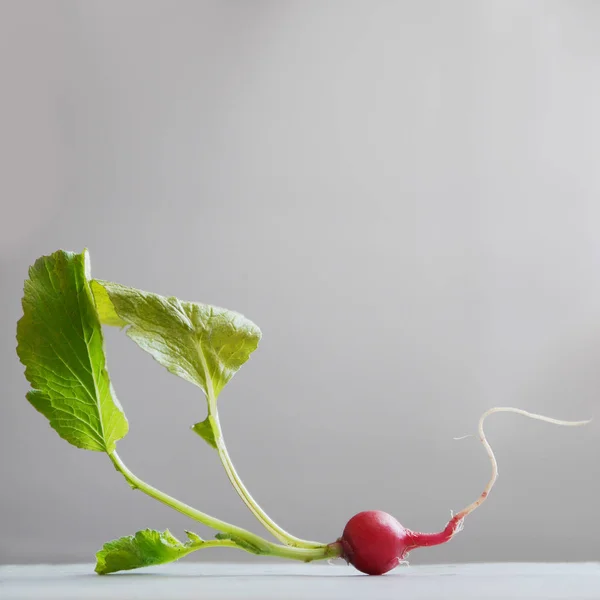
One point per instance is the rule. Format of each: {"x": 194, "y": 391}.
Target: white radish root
{"x": 469, "y": 509}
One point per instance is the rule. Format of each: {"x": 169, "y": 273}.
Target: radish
{"x": 60, "y": 343}
{"x": 374, "y": 542}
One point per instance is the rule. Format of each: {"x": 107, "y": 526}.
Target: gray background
{"x": 403, "y": 195}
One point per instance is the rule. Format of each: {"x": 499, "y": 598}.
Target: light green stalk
{"x": 253, "y": 543}
{"x": 236, "y": 481}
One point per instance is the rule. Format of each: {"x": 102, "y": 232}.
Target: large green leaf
{"x": 203, "y": 344}
{"x": 145, "y": 548}
{"x": 60, "y": 343}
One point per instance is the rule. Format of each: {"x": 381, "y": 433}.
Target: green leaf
{"x": 206, "y": 430}
{"x": 145, "y": 548}
{"x": 194, "y": 538}
{"x": 60, "y": 343}
{"x": 203, "y": 344}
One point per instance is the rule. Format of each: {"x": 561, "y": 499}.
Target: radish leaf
{"x": 145, "y": 548}
{"x": 206, "y": 430}
{"x": 61, "y": 346}
{"x": 203, "y": 344}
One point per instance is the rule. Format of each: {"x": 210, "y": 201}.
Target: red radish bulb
{"x": 375, "y": 543}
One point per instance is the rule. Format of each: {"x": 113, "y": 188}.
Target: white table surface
{"x": 218, "y": 581}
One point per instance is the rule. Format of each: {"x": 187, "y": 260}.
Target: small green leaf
{"x": 205, "y": 429}
{"x": 194, "y": 537}
{"x": 203, "y": 344}
{"x": 145, "y": 548}
{"x": 61, "y": 346}
{"x": 242, "y": 543}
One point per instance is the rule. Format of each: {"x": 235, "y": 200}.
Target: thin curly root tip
{"x": 469, "y": 509}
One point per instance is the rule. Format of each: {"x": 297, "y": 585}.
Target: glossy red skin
{"x": 374, "y": 542}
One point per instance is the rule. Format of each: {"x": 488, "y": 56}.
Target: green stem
{"x": 181, "y": 507}
{"x": 214, "y": 544}
{"x": 257, "y": 544}
{"x": 275, "y": 530}
{"x": 278, "y": 532}
{"x": 303, "y": 554}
